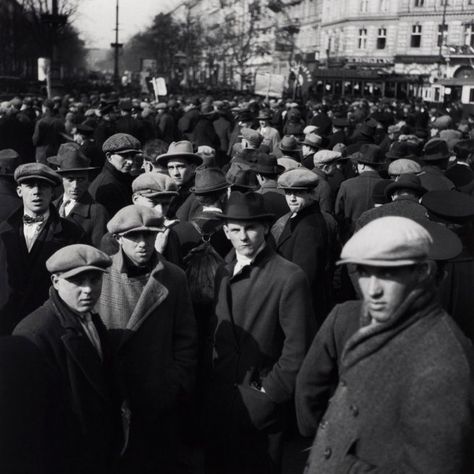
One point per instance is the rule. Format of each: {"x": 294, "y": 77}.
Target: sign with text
{"x": 270, "y": 85}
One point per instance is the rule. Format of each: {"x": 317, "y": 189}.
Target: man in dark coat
{"x": 165, "y": 124}
{"x": 204, "y": 133}
{"x": 189, "y": 119}
{"x": 76, "y": 204}
{"x": 223, "y": 127}
{"x": 355, "y": 194}
{"x": 305, "y": 240}
{"x": 401, "y": 373}
{"x": 263, "y": 323}
{"x": 113, "y": 186}
{"x": 145, "y": 305}
{"x": 435, "y": 158}
{"x": 181, "y": 162}
{"x": 28, "y": 238}
{"x": 73, "y": 341}
{"x": 338, "y": 135}
{"x": 9, "y": 160}
{"x": 325, "y": 166}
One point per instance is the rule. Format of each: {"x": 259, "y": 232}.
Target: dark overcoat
{"x": 156, "y": 356}
{"x": 305, "y": 242}
{"x": 86, "y": 418}
{"x": 405, "y": 396}
{"x": 112, "y": 189}
{"x": 274, "y": 199}
{"x": 9, "y": 199}
{"x": 27, "y": 276}
{"x": 263, "y": 324}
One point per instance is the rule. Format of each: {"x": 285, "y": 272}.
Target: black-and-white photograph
{"x": 236, "y": 236}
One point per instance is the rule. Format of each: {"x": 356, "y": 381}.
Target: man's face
{"x": 36, "y": 195}
{"x": 297, "y": 200}
{"x": 180, "y": 171}
{"x": 384, "y": 289}
{"x": 306, "y": 150}
{"x": 75, "y": 185}
{"x": 159, "y": 203}
{"x": 246, "y": 237}
{"x": 138, "y": 246}
{"x": 264, "y": 123}
{"x": 123, "y": 163}
{"x": 78, "y": 138}
{"x": 80, "y": 292}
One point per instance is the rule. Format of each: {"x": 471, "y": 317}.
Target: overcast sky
{"x": 95, "y": 19}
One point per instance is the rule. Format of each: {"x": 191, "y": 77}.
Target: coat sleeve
{"x": 99, "y": 228}
{"x": 295, "y": 317}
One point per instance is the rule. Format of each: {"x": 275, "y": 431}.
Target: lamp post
{"x": 116, "y": 46}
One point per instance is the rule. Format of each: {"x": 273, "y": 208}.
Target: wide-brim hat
{"x": 264, "y": 115}
{"x": 73, "y": 161}
{"x": 246, "y": 207}
{"x": 243, "y": 176}
{"x": 209, "y": 180}
{"x": 436, "y": 149}
{"x": 371, "y": 155}
{"x": 267, "y": 164}
{"x": 405, "y": 181}
{"x": 183, "y": 150}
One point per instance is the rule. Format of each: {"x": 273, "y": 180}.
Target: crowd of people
{"x": 188, "y": 285}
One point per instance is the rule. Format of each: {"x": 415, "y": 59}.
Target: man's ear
{"x": 117, "y": 237}
{"x": 55, "y": 280}
{"x": 108, "y": 155}
{"x": 226, "y": 231}
{"x": 134, "y": 198}
{"x": 19, "y": 191}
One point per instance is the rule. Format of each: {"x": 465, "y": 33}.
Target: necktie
{"x": 32, "y": 220}
{"x": 91, "y": 332}
{"x": 62, "y": 209}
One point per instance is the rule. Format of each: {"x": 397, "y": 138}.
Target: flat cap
{"x": 135, "y": 219}
{"x": 252, "y": 136}
{"x": 298, "y": 178}
{"x": 39, "y": 171}
{"x": 121, "y": 143}
{"x": 452, "y": 206}
{"x": 403, "y": 166}
{"x": 309, "y": 129}
{"x": 154, "y": 184}
{"x": 323, "y": 157}
{"x": 390, "y": 241}
{"x": 288, "y": 163}
{"x": 78, "y": 258}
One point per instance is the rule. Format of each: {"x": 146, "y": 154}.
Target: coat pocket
{"x": 256, "y": 407}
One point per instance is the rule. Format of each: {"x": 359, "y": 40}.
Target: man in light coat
{"x": 402, "y": 394}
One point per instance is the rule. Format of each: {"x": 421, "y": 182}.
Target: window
{"x": 419, "y": 3}
{"x": 444, "y": 3}
{"x": 415, "y": 36}
{"x": 362, "y": 38}
{"x": 442, "y": 35}
{"x": 471, "y": 95}
{"x": 469, "y": 34}
{"x": 382, "y": 38}
{"x": 363, "y": 6}
{"x": 383, "y": 5}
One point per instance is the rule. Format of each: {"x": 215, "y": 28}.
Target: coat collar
{"x": 123, "y": 177}
{"x": 292, "y": 222}
{"x": 81, "y": 208}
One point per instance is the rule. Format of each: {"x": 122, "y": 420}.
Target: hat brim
{"x": 381, "y": 263}
{"x": 72, "y": 170}
{"x": 397, "y": 185}
{"x": 435, "y": 157}
{"x": 191, "y": 157}
{"x": 79, "y": 270}
{"x": 140, "y": 229}
{"x": 156, "y": 193}
{"x": 210, "y": 189}
{"x": 278, "y": 169}
{"x": 237, "y": 217}
{"x": 297, "y": 188}
{"x": 128, "y": 150}
{"x": 37, "y": 177}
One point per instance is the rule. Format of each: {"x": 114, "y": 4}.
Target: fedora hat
{"x": 242, "y": 176}
{"x": 266, "y": 164}
{"x": 208, "y": 180}
{"x": 435, "y": 149}
{"x": 182, "y": 149}
{"x": 246, "y": 207}
{"x": 73, "y": 160}
{"x": 289, "y": 143}
{"x": 9, "y": 161}
{"x": 371, "y": 155}
{"x": 313, "y": 140}
{"x": 398, "y": 150}
{"x": 406, "y": 181}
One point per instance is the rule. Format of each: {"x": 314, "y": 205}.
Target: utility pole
{"x": 441, "y": 43}
{"x": 116, "y": 47}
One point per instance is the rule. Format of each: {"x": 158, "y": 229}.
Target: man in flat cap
{"x": 324, "y": 162}
{"x": 113, "y": 186}
{"x": 27, "y": 239}
{"x": 304, "y": 239}
{"x": 76, "y": 204}
{"x": 263, "y": 325}
{"x": 181, "y": 162}
{"x": 85, "y": 423}
{"x": 146, "y": 306}
{"x": 398, "y": 370}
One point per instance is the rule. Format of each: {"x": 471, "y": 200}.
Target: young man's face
{"x": 75, "y": 185}
{"x": 384, "y": 289}
{"x": 297, "y": 200}
{"x": 36, "y": 195}
{"x": 246, "y": 237}
{"x": 80, "y": 292}
{"x": 138, "y": 246}
{"x": 123, "y": 162}
{"x": 180, "y": 171}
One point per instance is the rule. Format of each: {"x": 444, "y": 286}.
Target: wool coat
{"x": 86, "y": 419}
{"x": 405, "y": 393}
{"x": 155, "y": 351}
{"x": 28, "y": 280}
{"x": 8, "y": 197}
{"x": 354, "y": 197}
{"x": 89, "y": 215}
{"x": 263, "y": 325}
{"x": 112, "y": 189}
{"x": 305, "y": 242}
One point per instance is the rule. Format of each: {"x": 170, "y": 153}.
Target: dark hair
{"x": 154, "y": 148}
